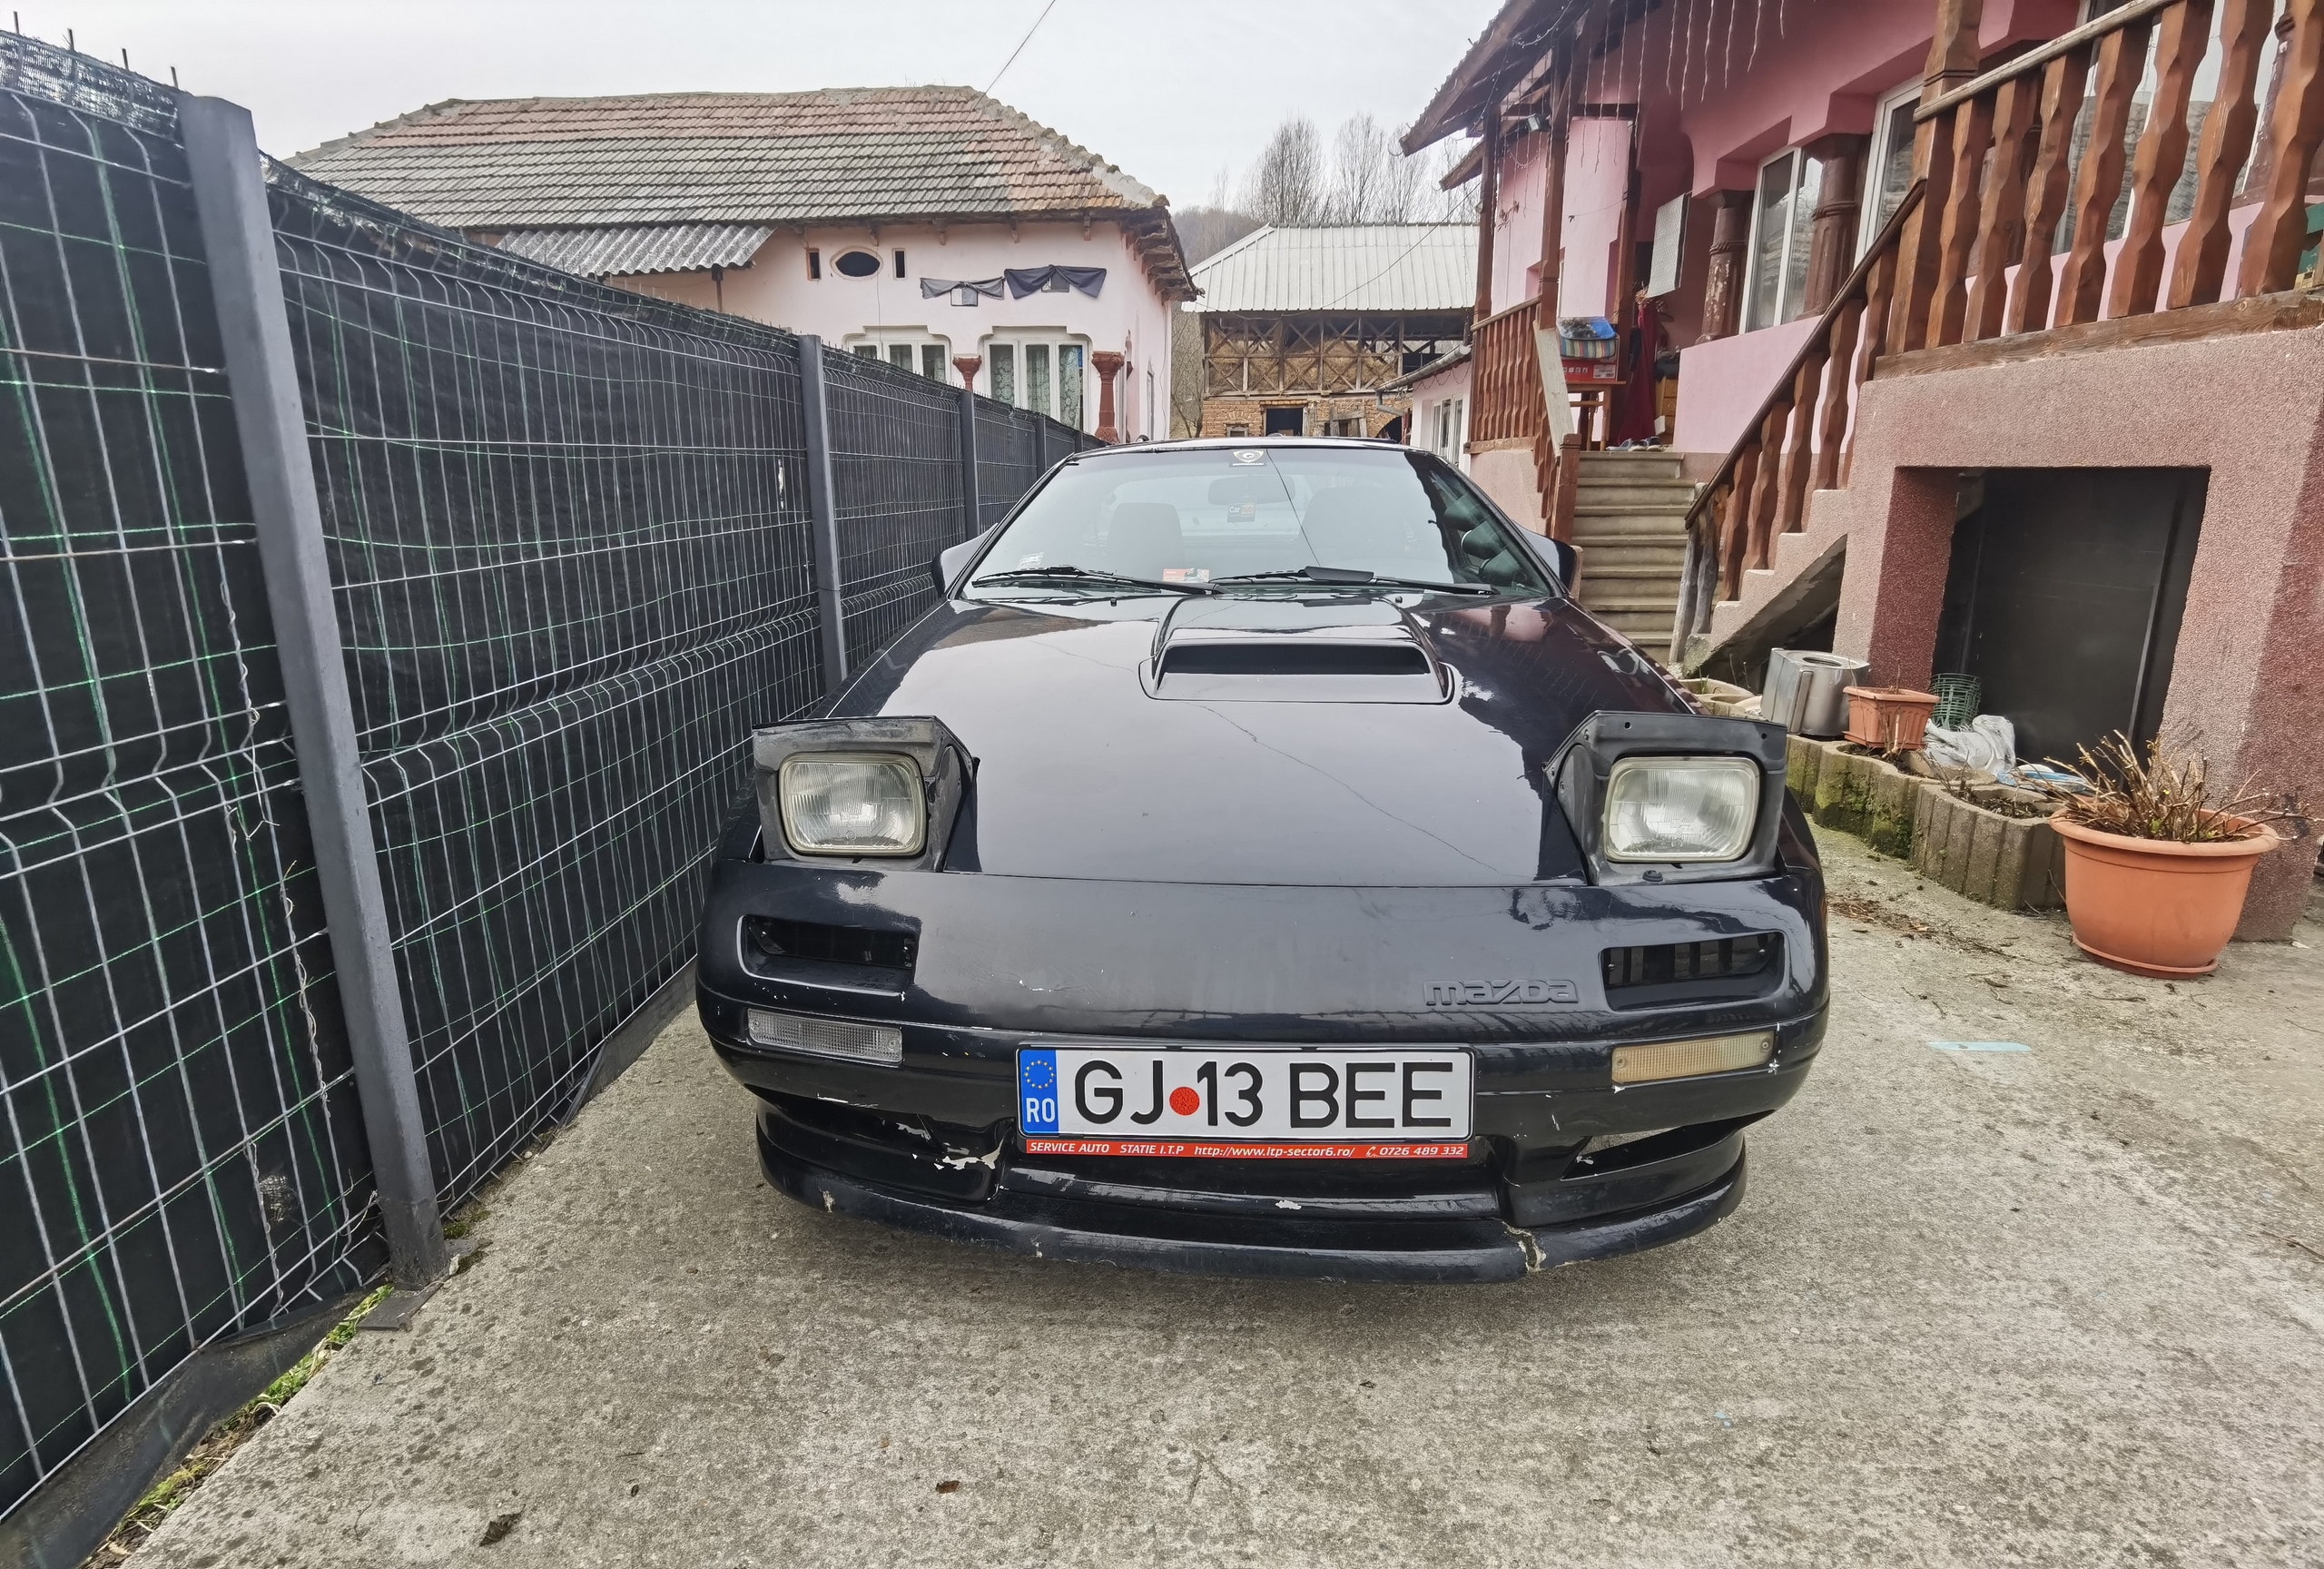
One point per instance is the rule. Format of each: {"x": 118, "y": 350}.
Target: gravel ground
{"x": 1980, "y": 1308}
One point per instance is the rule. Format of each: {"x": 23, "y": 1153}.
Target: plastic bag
{"x": 1988, "y": 743}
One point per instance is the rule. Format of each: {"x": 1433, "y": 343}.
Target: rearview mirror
{"x": 1233, "y": 488}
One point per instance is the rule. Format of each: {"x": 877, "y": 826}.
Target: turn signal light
{"x": 1693, "y": 1058}
{"x": 827, "y": 1037}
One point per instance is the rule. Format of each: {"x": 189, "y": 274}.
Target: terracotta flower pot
{"x": 2153, "y": 907}
{"x": 1889, "y": 718}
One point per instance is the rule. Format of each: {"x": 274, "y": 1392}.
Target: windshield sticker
{"x": 1185, "y": 574}
{"x": 1032, "y": 560}
{"x": 1250, "y": 457}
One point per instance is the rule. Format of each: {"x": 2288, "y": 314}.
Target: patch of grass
{"x": 222, "y": 1441}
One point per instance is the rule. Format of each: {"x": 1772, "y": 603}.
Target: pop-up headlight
{"x": 1672, "y": 797}
{"x": 833, "y": 789}
{"x": 852, "y": 804}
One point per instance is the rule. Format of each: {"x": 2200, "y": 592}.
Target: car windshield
{"x": 1218, "y": 518}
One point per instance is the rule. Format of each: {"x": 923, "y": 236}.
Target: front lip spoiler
{"x": 1457, "y": 1252}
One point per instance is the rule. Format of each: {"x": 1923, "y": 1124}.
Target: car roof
{"x": 1238, "y": 443}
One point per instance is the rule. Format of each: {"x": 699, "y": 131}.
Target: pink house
{"x": 1997, "y": 341}
{"x": 927, "y": 226}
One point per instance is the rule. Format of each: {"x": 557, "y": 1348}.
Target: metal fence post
{"x": 971, "y": 504}
{"x": 246, "y": 282}
{"x": 823, "y": 509}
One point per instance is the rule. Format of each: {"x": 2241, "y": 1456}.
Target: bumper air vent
{"x": 1718, "y": 969}
{"x": 836, "y": 958}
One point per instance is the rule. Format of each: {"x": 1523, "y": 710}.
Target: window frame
{"x": 884, "y": 341}
{"x": 1053, "y": 338}
{"x": 1799, "y": 229}
{"x": 1875, "y": 160}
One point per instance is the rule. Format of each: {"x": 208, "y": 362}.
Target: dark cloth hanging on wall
{"x": 935, "y": 288}
{"x": 1024, "y": 280}
{"x": 1634, "y": 402}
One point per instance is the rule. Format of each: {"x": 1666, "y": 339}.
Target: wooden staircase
{"x": 1629, "y": 523}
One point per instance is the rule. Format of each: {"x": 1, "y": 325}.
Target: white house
{"x": 925, "y": 225}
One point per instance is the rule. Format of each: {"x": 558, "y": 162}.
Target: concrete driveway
{"x": 1977, "y": 1309}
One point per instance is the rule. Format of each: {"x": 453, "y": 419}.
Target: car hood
{"x": 1090, "y": 766}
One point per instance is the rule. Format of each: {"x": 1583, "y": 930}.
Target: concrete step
{"x": 1633, "y": 550}
{"x": 1601, "y": 602}
{"x": 1661, "y": 465}
{"x": 1607, "y": 493}
{"x": 1628, "y": 521}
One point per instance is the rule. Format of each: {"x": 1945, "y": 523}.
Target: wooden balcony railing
{"x": 1505, "y": 378}
{"x": 1507, "y": 404}
{"x": 1803, "y": 433}
{"x": 1973, "y": 253}
{"x": 1998, "y": 153}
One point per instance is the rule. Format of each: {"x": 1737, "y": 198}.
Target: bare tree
{"x": 1285, "y": 186}
{"x": 1371, "y": 182}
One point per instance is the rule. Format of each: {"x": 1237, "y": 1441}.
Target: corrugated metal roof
{"x": 634, "y": 250}
{"x": 1354, "y": 267}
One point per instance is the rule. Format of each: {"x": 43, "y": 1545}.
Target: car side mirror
{"x": 1559, "y": 559}
{"x": 954, "y": 561}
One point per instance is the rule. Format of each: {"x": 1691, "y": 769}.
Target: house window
{"x": 899, "y": 263}
{"x": 1450, "y": 431}
{"x": 1781, "y": 217}
{"x": 1238, "y": 430}
{"x": 1046, "y": 372}
{"x": 1888, "y": 171}
{"x": 907, "y": 348}
{"x": 857, "y": 264}
{"x": 814, "y": 263}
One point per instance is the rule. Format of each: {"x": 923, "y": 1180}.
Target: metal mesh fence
{"x": 569, "y": 534}
{"x": 1010, "y": 454}
{"x": 182, "y": 1157}
{"x": 896, "y": 493}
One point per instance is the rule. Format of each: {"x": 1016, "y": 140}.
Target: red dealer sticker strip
{"x": 1206, "y": 1152}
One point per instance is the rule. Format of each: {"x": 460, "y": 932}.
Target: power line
{"x": 1027, "y": 39}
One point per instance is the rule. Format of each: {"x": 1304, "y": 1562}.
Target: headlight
{"x": 1682, "y": 809}
{"x": 854, "y": 804}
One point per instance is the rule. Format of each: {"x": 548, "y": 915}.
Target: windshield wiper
{"x": 1356, "y": 577}
{"x": 1087, "y": 575}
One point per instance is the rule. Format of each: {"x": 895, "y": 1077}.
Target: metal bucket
{"x": 1807, "y": 691}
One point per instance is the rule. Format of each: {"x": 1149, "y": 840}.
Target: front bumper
{"x": 1048, "y": 1212}
{"x": 1563, "y": 1166}
{"x": 1548, "y": 1180}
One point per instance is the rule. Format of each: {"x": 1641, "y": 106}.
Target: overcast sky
{"x": 1171, "y": 92}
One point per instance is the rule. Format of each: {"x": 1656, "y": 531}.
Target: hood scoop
{"x": 1246, "y": 650}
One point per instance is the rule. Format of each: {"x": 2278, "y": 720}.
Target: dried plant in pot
{"x": 2158, "y": 860}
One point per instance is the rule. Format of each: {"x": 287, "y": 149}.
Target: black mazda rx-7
{"x": 1258, "y": 864}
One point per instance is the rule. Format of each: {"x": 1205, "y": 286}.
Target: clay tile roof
{"x": 721, "y": 157}
{"x": 835, "y": 155}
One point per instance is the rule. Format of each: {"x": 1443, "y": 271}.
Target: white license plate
{"x": 1244, "y": 1105}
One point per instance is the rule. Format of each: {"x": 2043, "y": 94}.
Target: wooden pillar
{"x": 1730, "y": 232}
{"x": 1831, "y": 242}
{"x": 1488, "y": 200}
{"x": 1107, "y": 364}
{"x": 1545, "y": 314}
{"x": 1951, "y": 62}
